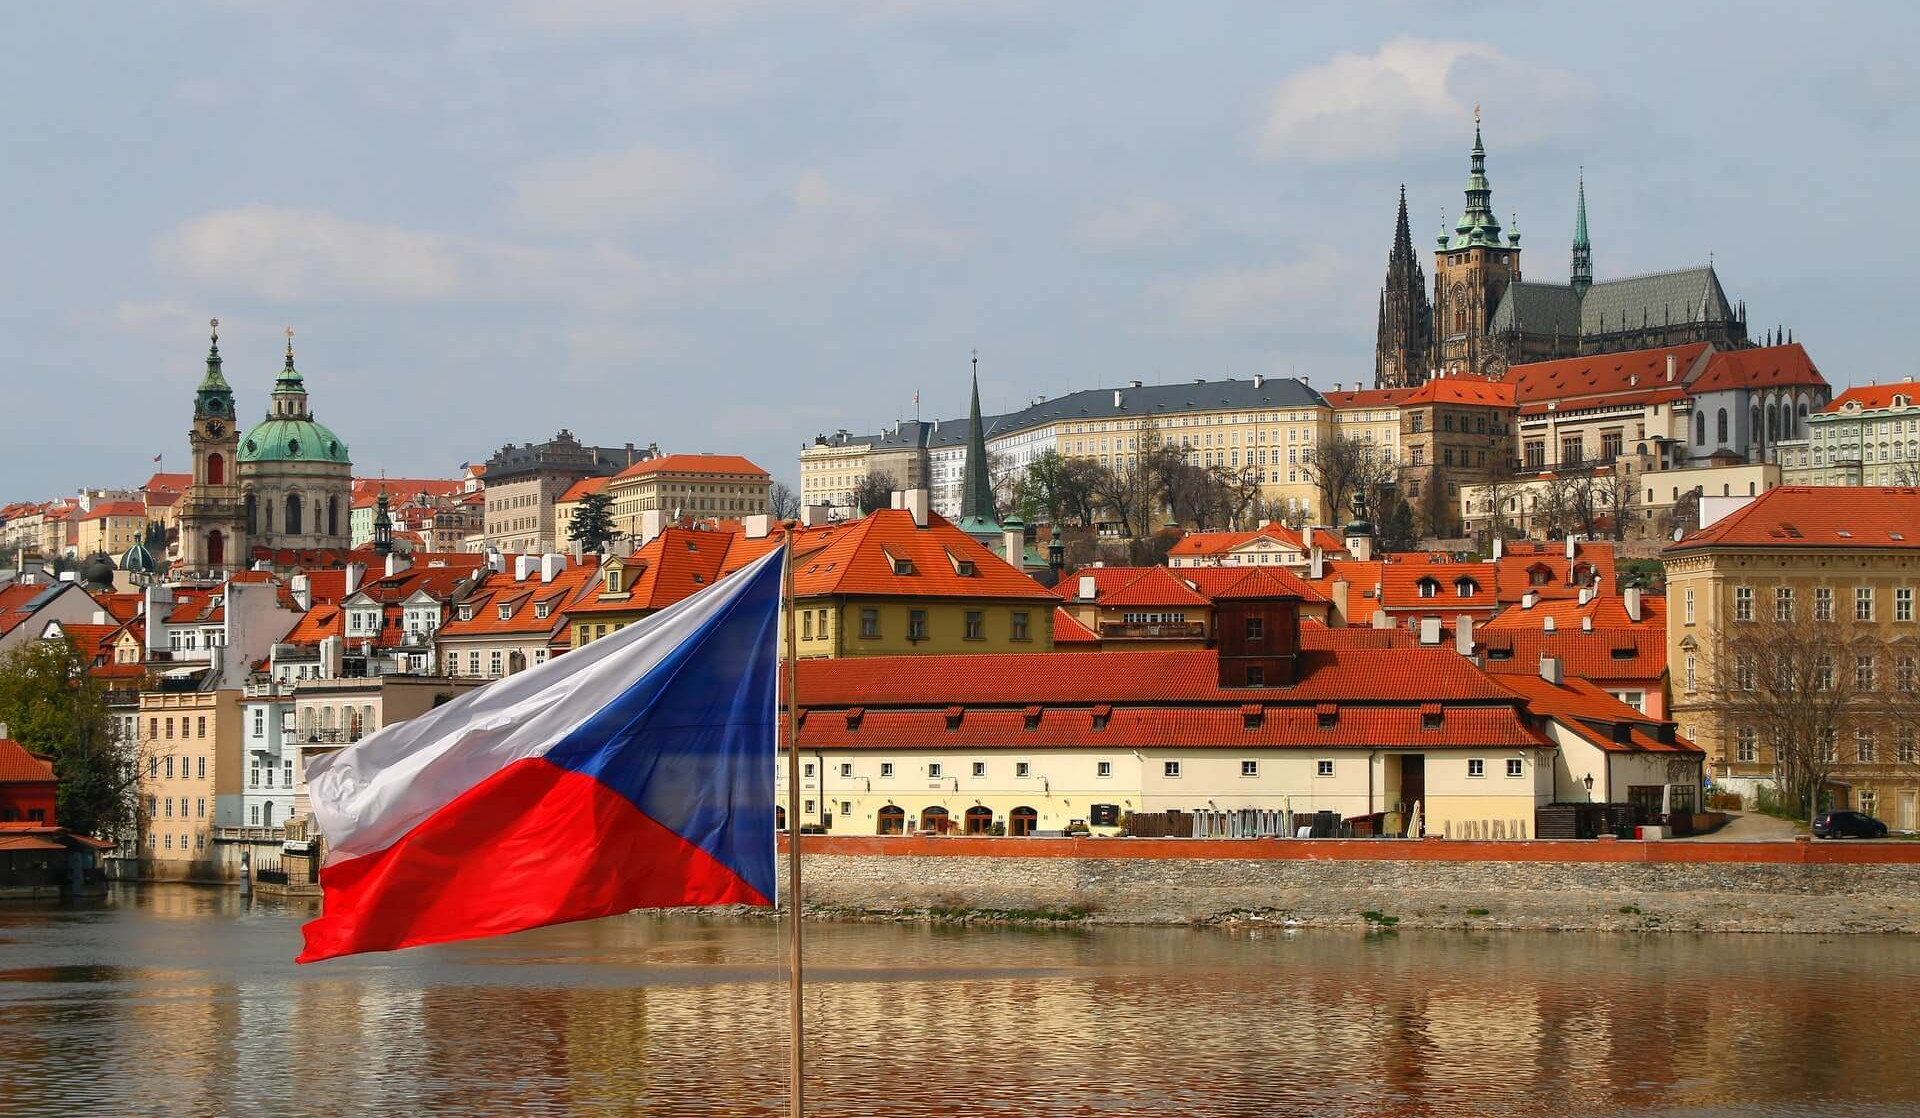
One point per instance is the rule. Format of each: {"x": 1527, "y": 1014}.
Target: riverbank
{"x": 1806, "y": 888}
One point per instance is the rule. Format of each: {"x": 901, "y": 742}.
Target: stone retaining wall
{"x": 1644, "y": 886}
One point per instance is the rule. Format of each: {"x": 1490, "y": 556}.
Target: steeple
{"x": 977, "y": 514}
{"x": 1478, "y": 225}
{"x": 1402, "y": 351}
{"x": 1582, "y": 247}
{"x": 382, "y": 523}
{"x": 214, "y": 396}
{"x": 290, "y": 390}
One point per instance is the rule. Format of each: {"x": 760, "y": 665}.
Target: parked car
{"x": 1847, "y": 824}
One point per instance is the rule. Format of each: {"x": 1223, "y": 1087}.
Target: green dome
{"x": 292, "y": 440}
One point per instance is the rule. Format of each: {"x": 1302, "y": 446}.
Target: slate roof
{"x": 1686, "y": 295}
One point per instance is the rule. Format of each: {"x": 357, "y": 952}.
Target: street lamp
{"x": 1589, "y": 783}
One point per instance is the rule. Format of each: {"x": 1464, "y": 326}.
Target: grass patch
{"x": 1379, "y": 919}
{"x": 1629, "y": 910}
{"x": 1069, "y": 914}
{"x": 1477, "y": 912}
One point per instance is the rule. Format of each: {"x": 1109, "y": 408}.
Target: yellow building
{"x": 694, "y": 485}
{"x": 1846, "y": 555}
{"x": 568, "y": 504}
{"x": 189, "y": 765}
{"x": 109, "y": 528}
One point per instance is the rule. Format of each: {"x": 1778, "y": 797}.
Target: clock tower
{"x": 211, "y": 517}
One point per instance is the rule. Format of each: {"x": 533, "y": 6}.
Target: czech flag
{"x": 636, "y": 771}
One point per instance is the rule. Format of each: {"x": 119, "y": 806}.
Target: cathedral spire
{"x": 1478, "y": 225}
{"x": 1402, "y": 350}
{"x": 977, "y": 513}
{"x": 1582, "y": 247}
{"x": 215, "y": 395}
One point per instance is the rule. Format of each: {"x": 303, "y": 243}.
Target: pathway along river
{"x": 179, "y": 1000}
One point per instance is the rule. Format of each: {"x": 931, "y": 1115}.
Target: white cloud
{"x": 305, "y": 254}
{"x": 1129, "y": 225}
{"x": 613, "y": 191}
{"x": 1309, "y": 292}
{"x": 1408, "y": 93}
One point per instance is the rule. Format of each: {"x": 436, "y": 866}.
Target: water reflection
{"x": 174, "y": 1000}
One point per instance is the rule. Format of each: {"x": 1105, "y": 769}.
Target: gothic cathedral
{"x": 1403, "y": 356}
{"x": 1472, "y": 269}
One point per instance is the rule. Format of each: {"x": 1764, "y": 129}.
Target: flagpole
{"x": 796, "y": 1026}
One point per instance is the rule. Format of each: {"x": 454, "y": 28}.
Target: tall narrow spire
{"x": 976, "y": 486}
{"x": 1582, "y": 247}
{"x": 1403, "y": 348}
{"x": 1478, "y": 225}
{"x": 214, "y": 396}
{"x": 290, "y": 391}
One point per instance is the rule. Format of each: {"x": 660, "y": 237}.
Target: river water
{"x": 182, "y": 1000}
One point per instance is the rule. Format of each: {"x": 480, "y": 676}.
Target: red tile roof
{"x": 15, "y": 599}
{"x": 1876, "y": 395}
{"x": 583, "y": 487}
{"x": 17, "y": 766}
{"x": 729, "y": 465}
{"x": 1827, "y": 517}
{"x": 1315, "y": 636}
{"x": 121, "y": 605}
{"x": 89, "y": 639}
{"x": 1608, "y": 654}
{"x": 405, "y": 488}
{"x": 1594, "y": 715}
{"x": 1604, "y": 377}
{"x": 1066, "y": 630}
{"x": 1463, "y": 389}
{"x": 1368, "y": 398}
{"x": 1249, "y": 582}
{"x": 167, "y": 483}
{"x": 1607, "y": 610}
{"x": 1764, "y": 367}
{"x": 105, "y": 509}
{"x": 861, "y": 560}
{"x": 523, "y": 596}
{"x": 1151, "y": 587}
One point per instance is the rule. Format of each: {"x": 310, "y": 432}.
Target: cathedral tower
{"x": 1471, "y": 270}
{"x": 210, "y": 514}
{"x": 1582, "y": 248}
{"x": 1403, "y": 351}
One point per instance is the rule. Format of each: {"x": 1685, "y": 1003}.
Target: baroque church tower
{"x": 1472, "y": 268}
{"x": 210, "y": 514}
{"x": 1403, "y": 351}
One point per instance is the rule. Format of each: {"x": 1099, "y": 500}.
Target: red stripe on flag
{"x": 533, "y": 844}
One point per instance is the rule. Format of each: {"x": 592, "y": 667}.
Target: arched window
{"x": 1465, "y": 587}
{"x": 1753, "y": 424}
{"x": 293, "y": 514}
{"x": 1429, "y": 588}
{"x": 1720, "y": 433}
{"x": 266, "y": 814}
{"x": 216, "y": 548}
{"x": 893, "y": 820}
{"x": 253, "y": 526}
{"x": 216, "y": 469}
{"x": 333, "y": 516}
{"x": 979, "y": 820}
{"x": 1700, "y": 429}
{"x": 935, "y": 819}
{"x": 1800, "y": 432}
{"x": 1022, "y": 821}
{"x": 1773, "y": 422}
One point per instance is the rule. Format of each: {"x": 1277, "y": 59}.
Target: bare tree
{"x": 875, "y": 491}
{"x": 1340, "y": 466}
{"x": 1502, "y": 486}
{"x": 1060, "y": 489}
{"x": 1131, "y": 489}
{"x": 1613, "y": 497}
{"x": 782, "y": 501}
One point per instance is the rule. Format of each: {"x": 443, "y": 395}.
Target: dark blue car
{"x": 1847, "y": 824}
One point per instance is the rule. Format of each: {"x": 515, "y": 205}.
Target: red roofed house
{"x": 1843, "y": 558}
{"x": 27, "y": 605}
{"x": 39, "y": 858}
{"x": 1157, "y": 607}
{"x": 1455, "y": 430}
{"x": 109, "y": 528}
{"x": 1271, "y": 544}
{"x": 696, "y": 485}
{"x": 510, "y": 619}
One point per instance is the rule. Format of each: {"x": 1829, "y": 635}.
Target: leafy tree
{"x": 1059, "y": 489}
{"x": 592, "y": 526}
{"x": 1646, "y": 574}
{"x": 1396, "y": 530}
{"x": 53, "y": 707}
{"x": 874, "y": 492}
{"x": 782, "y": 502}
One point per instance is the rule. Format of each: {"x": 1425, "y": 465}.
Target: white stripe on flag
{"x": 366, "y": 796}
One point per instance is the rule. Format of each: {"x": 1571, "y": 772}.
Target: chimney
{"x": 100, "y": 617}
{"x": 1586, "y": 623}
{"x": 1499, "y": 548}
{"x": 1463, "y": 635}
{"x": 1259, "y": 380}
{"x": 1527, "y": 599}
{"x": 758, "y": 526}
{"x": 898, "y": 498}
{"x": 1316, "y": 563}
{"x": 652, "y": 523}
{"x": 332, "y": 651}
{"x": 355, "y": 572}
{"x": 1429, "y": 631}
{"x": 522, "y": 567}
{"x": 916, "y": 501}
{"x": 1013, "y": 545}
{"x": 302, "y": 591}
{"x": 1338, "y": 592}
{"x": 1586, "y": 594}
{"x": 1672, "y": 364}
{"x": 1546, "y": 624}
{"x": 1572, "y": 550}
{"x": 1089, "y": 588}
{"x": 3, "y": 731}
{"x": 1550, "y": 670}
{"x": 1632, "y": 597}
{"x": 1116, "y": 397}
{"x": 396, "y": 563}
{"x": 551, "y": 564}
{"x": 496, "y": 562}
{"x": 1381, "y": 620}
{"x": 812, "y": 516}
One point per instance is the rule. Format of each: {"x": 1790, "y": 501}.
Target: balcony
{"x": 249, "y": 834}
{"x": 332, "y": 737}
{"x": 1152, "y": 631}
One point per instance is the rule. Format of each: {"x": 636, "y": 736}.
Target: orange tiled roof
{"x": 89, "y": 638}
{"x": 1148, "y": 586}
{"x": 1763, "y": 367}
{"x": 1368, "y": 398}
{"x": 861, "y": 560}
{"x": 121, "y": 605}
{"x": 1828, "y": 517}
{"x": 14, "y": 600}
{"x": 167, "y": 483}
{"x": 1607, "y": 610}
{"x": 1634, "y": 373}
{"x": 523, "y": 597}
{"x": 1463, "y": 389}
{"x": 1577, "y": 704}
{"x": 105, "y": 509}
{"x": 722, "y": 464}
{"x": 581, "y": 488}
{"x": 17, "y": 766}
{"x": 1611, "y": 654}
{"x": 1875, "y": 395}
{"x": 1068, "y": 631}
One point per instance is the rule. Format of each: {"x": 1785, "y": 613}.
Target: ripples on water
{"x": 174, "y": 1000}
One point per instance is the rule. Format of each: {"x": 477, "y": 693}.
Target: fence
{"x": 1245, "y": 823}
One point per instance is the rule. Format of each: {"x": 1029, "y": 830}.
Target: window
{"x": 1743, "y": 673}
{"x": 1323, "y": 768}
{"x": 289, "y": 774}
{"x": 1103, "y": 768}
{"x": 1020, "y": 630}
{"x": 979, "y": 768}
{"x": 1743, "y": 603}
{"x": 976, "y": 625}
{"x": 1249, "y": 768}
{"x": 1475, "y": 767}
{"x": 1863, "y": 603}
{"x": 1903, "y": 603}
{"x": 1256, "y": 628}
{"x": 1863, "y": 671}
{"x": 869, "y": 623}
{"x": 1256, "y": 675}
{"x": 933, "y": 770}
{"x": 1823, "y": 673}
{"x": 1746, "y": 745}
{"x": 846, "y": 807}
{"x": 1830, "y": 746}
{"x": 1170, "y": 768}
{"x": 493, "y": 662}
{"x": 259, "y": 723}
{"x": 846, "y": 768}
{"x": 1864, "y": 750}
{"x": 916, "y": 624}
{"x": 170, "y": 768}
{"x": 1903, "y": 747}
{"x": 807, "y": 770}
{"x": 253, "y": 777}
{"x": 200, "y": 767}
{"x": 1515, "y": 767}
{"x": 886, "y": 768}
{"x": 1690, "y": 672}
{"x": 255, "y": 818}
{"x": 1823, "y": 603}
{"x": 1783, "y": 603}
{"x": 1906, "y": 674}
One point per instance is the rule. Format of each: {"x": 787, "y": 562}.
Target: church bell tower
{"x": 1472, "y": 267}
{"x": 210, "y": 516}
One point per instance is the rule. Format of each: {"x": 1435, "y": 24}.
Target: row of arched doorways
{"x": 977, "y": 820}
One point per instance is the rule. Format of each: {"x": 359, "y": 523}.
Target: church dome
{"x": 97, "y": 571}
{"x": 292, "y": 440}
{"x": 138, "y": 559}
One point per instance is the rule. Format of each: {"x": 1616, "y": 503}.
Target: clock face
{"x": 215, "y": 429}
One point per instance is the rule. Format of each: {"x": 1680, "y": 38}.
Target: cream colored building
{"x": 1846, "y": 554}
{"x": 188, "y": 762}
{"x": 1654, "y": 494}
{"x": 724, "y": 486}
{"x": 832, "y": 467}
{"x": 1870, "y": 435}
{"x": 110, "y": 528}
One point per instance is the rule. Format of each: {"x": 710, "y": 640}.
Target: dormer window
{"x": 961, "y": 567}
{"x": 466, "y": 613}
{"x": 1466, "y": 587}
{"x": 1429, "y": 588}
{"x": 543, "y": 609}
{"x": 901, "y": 565}
{"x": 506, "y": 613}
{"x": 613, "y": 580}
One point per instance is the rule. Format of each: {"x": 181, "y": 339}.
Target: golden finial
{"x": 289, "y": 341}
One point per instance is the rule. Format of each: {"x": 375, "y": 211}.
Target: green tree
{"x": 1396, "y": 530}
{"x": 592, "y": 526}
{"x": 53, "y": 707}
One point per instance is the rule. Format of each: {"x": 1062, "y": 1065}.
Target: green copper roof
{"x": 1582, "y": 247}
{"x": 214, "y": 396}
{"x": 292, "y": 440}
{"x": 976, "y": 487}
{"x": 289, "y": 376}
{"x": 1478, "y": 225}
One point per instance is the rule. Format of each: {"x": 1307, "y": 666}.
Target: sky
{"x": 730, "y": 225}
